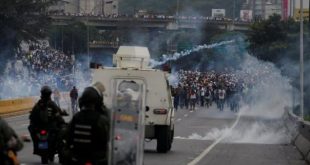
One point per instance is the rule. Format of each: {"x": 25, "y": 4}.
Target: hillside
{"x": 187, "y": 7}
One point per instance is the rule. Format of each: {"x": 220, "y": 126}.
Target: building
{"x": 110, "y": 7}
{"x": 95, "y": 7}
{"x": 218, "y": 13}
{"x": 65, "y": 6}
{"x": 273, "y": 7}
{"x": 262, "y": 9}
{"x": 296, "y": 9}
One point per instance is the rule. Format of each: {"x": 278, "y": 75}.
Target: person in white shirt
{"x": 221, "y": 96}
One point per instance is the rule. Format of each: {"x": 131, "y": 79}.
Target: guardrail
{"x": 300, "y": 131}
{"x": 16, "y": 106}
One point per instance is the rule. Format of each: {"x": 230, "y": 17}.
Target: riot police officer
{"x": 88, "y": 132}
{"x": 10, "y": 143}
{"x": 45, "y": 115}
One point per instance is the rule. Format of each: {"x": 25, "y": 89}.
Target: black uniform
{"x": 45, "y": 115}
{"x": 9, "y": 144}
{"x": 89, "y": 130}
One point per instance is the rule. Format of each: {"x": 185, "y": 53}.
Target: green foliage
{"x": 277, "y": 41}
{"x": 307, "y": 118}
{"x": 22, "y": 20}
{"x": 270, "y": 38}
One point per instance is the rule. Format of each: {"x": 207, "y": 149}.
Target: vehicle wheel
{"x": 44, "y": 160}
{"x": 51, "y": 158}
{"x": 163, "y": 134}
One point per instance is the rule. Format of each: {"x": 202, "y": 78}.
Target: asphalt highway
{"x": 207, "y": 137}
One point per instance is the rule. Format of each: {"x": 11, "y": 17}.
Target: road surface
{"x": 207, "y": 136}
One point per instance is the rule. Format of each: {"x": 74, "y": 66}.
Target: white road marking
{"x": 185, "y": 115}
{"x": 207, "y": 150}
{"x": 179, "y": 119}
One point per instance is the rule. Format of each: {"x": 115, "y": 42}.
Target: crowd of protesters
{"x": 205, "y": 88}
{"x": 37, "y": 66}
{"x": 142, "y": 14}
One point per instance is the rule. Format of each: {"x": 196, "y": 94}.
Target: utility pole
{"x": 88, "y": 41}
{"x": 62, "y": 38}
{"x": 301, "y": 60}
{"x": 177, "y": 10}
{"x": 234, "y": 8}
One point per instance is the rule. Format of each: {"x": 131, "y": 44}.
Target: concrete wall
{"x": 16, "y": 106}
{"x": 301, "y": 137}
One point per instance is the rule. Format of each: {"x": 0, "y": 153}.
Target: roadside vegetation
{"x": 277, "y": 41}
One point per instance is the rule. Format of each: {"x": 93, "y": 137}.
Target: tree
{"x": 270, "y": 38}
{"x": 22, "y": 20}
{"x": 277, "y": 41}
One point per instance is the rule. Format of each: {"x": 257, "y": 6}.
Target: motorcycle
{"x": 45, "y": 139}
{"x": 43, "y": 146}
{"x": 87, "y": 162}
{"x": 44, "y": 142}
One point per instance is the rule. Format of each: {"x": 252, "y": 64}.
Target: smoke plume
{"x": 268, "y": 92}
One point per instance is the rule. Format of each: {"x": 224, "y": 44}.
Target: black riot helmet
{"x": 46, "y": 92}
{"x": 92, "y": 97}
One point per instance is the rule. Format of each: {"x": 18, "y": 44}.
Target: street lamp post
{"x": 88, "y": 41}
{"x": 234, "y": 12}
{"x": 301, "y": 61}
{"x": 177, "y": 12}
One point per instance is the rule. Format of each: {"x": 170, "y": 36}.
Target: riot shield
{"x": 127, "y": 142}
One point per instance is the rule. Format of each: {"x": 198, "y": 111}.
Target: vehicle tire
{"x": 163, "y": 134}
{"x": 44, "y": 159}
{"x": 51, "y": 158}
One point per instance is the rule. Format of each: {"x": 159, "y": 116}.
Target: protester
{"x": 34, "y": 68}
{"x": 227, "y": 88}
{"x": 74, "y": 96}
{"x": 56, "y": 95}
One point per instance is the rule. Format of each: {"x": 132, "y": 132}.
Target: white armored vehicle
{"x": 133, "y": 86}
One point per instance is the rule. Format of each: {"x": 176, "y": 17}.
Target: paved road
{"x": 207, "y": 136}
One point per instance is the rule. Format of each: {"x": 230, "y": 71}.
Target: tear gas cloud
{"x": 268, "y": 93}
{"x": 19, "y": 80}
{"x": 258, "y": 133}
{"x": 271, "y": 91}
{"x": 178, "y": 55}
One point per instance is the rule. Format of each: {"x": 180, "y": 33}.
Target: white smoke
{"x": 173, "y": 79}
{"x": 271, "y": 91}
{"x": 261, "y": 118}
{"x": 177, "y": 55}
{"x": 255, "y": 133}
{"x": 82, "y": 75}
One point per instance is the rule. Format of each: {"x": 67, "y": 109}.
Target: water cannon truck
{"x": 147, "y": 88}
